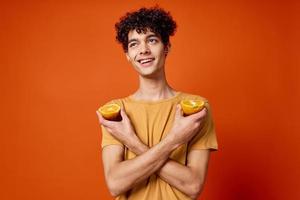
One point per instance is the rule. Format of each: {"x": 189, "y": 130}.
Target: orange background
{"x": 60, "y": 62}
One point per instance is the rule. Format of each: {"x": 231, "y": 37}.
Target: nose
{"x": 144, "y": 48}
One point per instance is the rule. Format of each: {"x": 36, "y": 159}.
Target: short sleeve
{"x": 206, "y": 138}
{"x": 107, "y": 138}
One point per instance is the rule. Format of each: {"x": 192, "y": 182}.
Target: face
{"x": 146, "y": 52}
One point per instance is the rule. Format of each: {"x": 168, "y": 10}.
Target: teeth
{"x": 146, "y": 60}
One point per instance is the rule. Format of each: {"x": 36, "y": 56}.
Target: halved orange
{"x": 110, "y": 111}
{"x": 191, "y": 106}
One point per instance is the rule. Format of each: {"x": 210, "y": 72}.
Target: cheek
{"x": 162, "y": 55}
{"x": 160, "y": 51}
{"x": 132, "y": 55}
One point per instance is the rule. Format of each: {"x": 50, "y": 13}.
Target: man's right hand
{"x": 122, "y": 130}
{"x": 184, "y": 128}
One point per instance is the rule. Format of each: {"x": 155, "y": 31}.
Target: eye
{"x": 153, "y": 40}
{"x": 132, "y": 44}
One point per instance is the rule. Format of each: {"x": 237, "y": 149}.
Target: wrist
{"x": 136, "y": 145}
{"x": 172, "y": 141}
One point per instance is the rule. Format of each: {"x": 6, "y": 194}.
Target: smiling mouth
{"x": 144, "y": 61}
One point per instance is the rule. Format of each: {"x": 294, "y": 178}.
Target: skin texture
{"x": 151, "y": 47}
{"x": 122, "y": 175}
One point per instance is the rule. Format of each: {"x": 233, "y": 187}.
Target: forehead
{"x": 133, "y": 34}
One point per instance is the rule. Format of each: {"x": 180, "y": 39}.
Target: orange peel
{"x": 191, "y": 106}
{"x": 110, "y": 111}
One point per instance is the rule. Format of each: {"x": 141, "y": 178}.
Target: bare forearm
{"x": 126, "y": 174}
{"x": 174, "y": 173}
{"x": 181, "y": 177}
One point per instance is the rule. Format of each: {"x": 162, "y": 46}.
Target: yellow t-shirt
{"x": 152, "y": 121}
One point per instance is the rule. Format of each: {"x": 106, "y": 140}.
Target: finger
{"x": 102, "y": 121}
{"x": 201, "y": 114}
{"x": 98, "y": 115}
{"x": 123, "y": 114}
{"x": 178, "y": 111}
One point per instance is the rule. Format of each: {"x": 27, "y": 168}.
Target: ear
{"x": 167, "y": 49}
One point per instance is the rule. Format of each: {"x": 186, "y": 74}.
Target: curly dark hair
{"x": 155, "y": 19}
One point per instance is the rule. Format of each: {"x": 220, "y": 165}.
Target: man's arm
{"x": 121, "y": 175}
{"x": 184, "y": 131}
{"x": 188, "y": 179}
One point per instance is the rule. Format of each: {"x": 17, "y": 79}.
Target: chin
{"x": 148, "y": 72}
{"x": 151, "y": 74}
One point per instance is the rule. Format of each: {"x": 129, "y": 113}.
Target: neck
{"x": 153, "y": 88}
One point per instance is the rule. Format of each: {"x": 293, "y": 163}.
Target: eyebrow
{"x": 135, "y": 40}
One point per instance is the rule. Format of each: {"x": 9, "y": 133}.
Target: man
{"x": 155, "y": 152}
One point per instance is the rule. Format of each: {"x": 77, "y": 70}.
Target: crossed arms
{"x": 122, "y": 175}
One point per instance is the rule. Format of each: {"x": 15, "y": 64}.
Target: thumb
{"x": 123, "y": 114}
{"x": 178, "y": 111}
{"x": 100, "y": 118}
